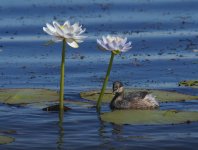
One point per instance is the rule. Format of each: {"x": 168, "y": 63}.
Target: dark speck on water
{"x": 164, "y": 36}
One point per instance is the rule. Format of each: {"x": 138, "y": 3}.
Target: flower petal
{"x": 124, "y": 41}
{"x": 75, "y": 26}
{"x": 104, "y": 39}
{"x": 58, "y": 28}
{"x": 115, "y": 44}
{"x": 50, "y": 27}
{"x": 128, "y": 44}
{"x": 72, "y": 33}
{"x": 57, "y": 39}
{"x": 66, "y": 24}
{"x": 101, "y": 45}
{"x": 99, "y": 42}
{"x": 126, "y": 49}
{"x": 81, "y": 31}
{"x": 47, "y": 31}
{"x": 72, "y": 43}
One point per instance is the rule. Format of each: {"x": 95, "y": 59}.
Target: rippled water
{"x": 164, "y": 35}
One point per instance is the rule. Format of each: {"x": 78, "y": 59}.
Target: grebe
{"x": 134, "y": 100}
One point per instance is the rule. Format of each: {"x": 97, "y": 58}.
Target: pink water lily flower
{"x": 115, "y": 44}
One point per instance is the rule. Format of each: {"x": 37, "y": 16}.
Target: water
{"x": 164, "y": 35}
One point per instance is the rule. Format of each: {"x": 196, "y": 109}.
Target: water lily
{"x": 71, "y": 33}
{"x": 67, "y": 33}
{"x": 116, "y": 45}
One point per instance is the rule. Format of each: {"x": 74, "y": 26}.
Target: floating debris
{"x": 55, "y": 108}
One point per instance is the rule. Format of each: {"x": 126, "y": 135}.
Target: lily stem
{"x": 61, "y": 96}
{"x": 105, "y": 83}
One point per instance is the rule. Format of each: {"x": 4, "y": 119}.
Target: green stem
{"x": 61, "y": 114}
{"x": 61, "y": 129}
{"x": 105, "y": 82}
{"x": 61, "y": 96}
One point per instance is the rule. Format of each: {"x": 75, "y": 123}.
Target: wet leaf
{"x": 162, "y": 96}
{"x": 149, "y": 117}
{"x": 6, "y": 139}
{"x": 26, "y": 96}
{"x": 191, "y": 83}
{"x": 79, "y": 103}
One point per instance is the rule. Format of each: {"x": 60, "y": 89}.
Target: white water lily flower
{"x": 71, "y": 33}
{"x": 115, "y": 44}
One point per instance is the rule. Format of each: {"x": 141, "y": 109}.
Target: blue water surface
{"x": 164, "y": 34}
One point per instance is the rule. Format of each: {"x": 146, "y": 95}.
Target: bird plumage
{"x": 134, "y": 100}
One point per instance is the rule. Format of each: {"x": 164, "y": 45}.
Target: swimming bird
{"x": 134, "y": 100}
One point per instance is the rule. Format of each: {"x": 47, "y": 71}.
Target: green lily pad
{"x": 161, "y": 95}
{"x": 6, "y": 139}
{"x": 149, "y": 117}
{"x": 27, "y": 96}
{"x": 80, "y": 103}
{"x": 190, "y": 83}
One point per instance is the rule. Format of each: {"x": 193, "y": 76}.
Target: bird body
{"x": 134, "y": 100}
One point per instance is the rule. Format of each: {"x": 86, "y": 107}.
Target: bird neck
{"x": 117, "y": 97}
{"x": 120, "y": 94}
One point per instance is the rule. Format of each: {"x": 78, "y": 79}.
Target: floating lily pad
{"x": 162, "y": 96}
{"x": 190, "y": 83}
{"x": 80, "y": 103}
{"x": 149, "y": 117}
{"x": 27, "y": 96}
{"x": 6, "y": 139}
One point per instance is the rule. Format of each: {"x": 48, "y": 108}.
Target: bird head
{"x": 118, "y": 87}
